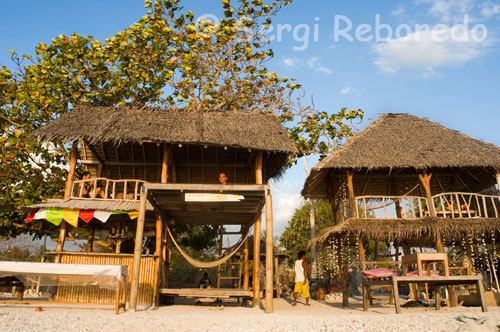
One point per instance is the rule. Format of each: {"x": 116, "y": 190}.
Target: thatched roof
{"x": 403, "y": 141}
{"x": 136, "y": 125}
{"x": 401, "y": 230}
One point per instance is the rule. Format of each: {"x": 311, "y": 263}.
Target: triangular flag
{"x": 54, "y": 216}
{"x": 133, "y": 214}
{"x": 41, "y": 214}
{"x": 86, "y": 215}
{"x": 102, "y": 215}
{"x": 119, "y": 212}
{"x": 30, "y": 217}
{"x": 71, "y": 217}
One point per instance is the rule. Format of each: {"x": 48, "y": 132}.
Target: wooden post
{"x": 159, "y": 259}
{"x": 256, "y": 263}
{"x": 246, "y": 275}
{"x": 277, "y": 272}
{"x": 342, "y": 274}
{"x": 425, "y": 180}
{"x": 134, "y": 285}
{"x": 67, "y": 194}
{"x": 90, "y": 240}
{"x": 269, "y": 253}
{"x": 159, "y": 231}
{"x": 256, "y": 238}
{"x": 352, "y": 198}
{"x": 497, "y": 175}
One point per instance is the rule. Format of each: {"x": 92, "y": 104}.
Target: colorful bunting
{"x": 30, "y": 217}
{"x": 71, "y": 217}
{"x": 54, "y": 216}
{"x": 103, "y": 216}
{"x": 86, "y": 215}
{"x": 41, "y": 214}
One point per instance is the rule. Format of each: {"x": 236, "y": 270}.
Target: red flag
{"x": 86, "y": 215}
{"x": 30, "y": 217}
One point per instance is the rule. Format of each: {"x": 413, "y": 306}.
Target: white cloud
{"x": 423, "y": 51}
{"x": 449, "y": 10}
{"x": 284, "y": 205}
{"x": 312, "y": 63}
{"x": 315, "y": 64}
{"x": 490, "y": 9}
{"x": 398, "y": 12}
{"x": 349, "y": 91}
{"x": 291, "y": 62}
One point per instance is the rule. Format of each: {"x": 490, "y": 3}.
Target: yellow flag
{"x": 71, "y": 217}
{"x": 133, "y": 214}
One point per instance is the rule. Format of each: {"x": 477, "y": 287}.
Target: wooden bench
{"x": 436, "y": 281}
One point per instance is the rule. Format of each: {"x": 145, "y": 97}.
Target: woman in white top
{"x": 301, "y": 284}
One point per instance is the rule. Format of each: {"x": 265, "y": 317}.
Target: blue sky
{"x": 454, "y": 82}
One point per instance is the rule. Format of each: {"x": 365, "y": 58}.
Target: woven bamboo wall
{"x": 94, "y": 294}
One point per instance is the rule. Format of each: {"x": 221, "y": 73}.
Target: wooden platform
{"x": 222, "y": 293}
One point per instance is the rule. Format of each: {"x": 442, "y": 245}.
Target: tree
{"x": 296, "y": 236}
{"x": 165, "y": 59}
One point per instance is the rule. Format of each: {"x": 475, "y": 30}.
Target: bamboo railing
{"x": 77, "y": 293}
{"x": 447, "y": 205}
{"x": 103, "y": 188}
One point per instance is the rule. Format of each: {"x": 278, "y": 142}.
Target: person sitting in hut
{"x": 222, "y": 178}
{"x": 205, "y": 281}
{"x": 88, "y": 188}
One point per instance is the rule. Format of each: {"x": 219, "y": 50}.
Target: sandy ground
{"x": 187, "y": 316}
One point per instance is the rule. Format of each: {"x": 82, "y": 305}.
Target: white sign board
{"x": 208, "y": 197}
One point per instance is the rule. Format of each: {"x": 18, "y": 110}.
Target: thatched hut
{"x": 161, "y": 167}
{"x": 411, "y": 182}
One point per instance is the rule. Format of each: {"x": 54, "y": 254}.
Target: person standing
{"x": 301, "y": 284}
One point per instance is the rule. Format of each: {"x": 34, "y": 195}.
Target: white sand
{"x": 317, "y": 317}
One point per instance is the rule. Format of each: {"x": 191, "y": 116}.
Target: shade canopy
{"x": 394, "y": 148}
{"x": 205, "y": 204}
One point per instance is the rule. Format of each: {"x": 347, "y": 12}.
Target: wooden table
{"x": 436, "y": 281}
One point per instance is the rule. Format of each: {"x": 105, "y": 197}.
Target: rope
{"x": 394, "y": 201}
{"x": 205, "y": 265}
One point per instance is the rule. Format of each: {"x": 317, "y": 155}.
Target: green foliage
{"x": 165, "y": 59}
{"x": 297, "y": 234}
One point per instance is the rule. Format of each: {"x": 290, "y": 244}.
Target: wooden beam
{"x": 67, "y": 194}
{"x": 256, "y": 238}
{"x": 134, "y": 285}
{"x": 246, "y": 274}
{"x": 352, "y": 198}
{"x": 269, "y": 254}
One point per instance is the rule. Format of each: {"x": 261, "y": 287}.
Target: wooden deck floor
{"x": 207, "y": 292}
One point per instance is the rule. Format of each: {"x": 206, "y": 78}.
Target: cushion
{"x": 379, "y": 273}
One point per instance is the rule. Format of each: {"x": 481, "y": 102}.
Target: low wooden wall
{"x": 94, "y": 294}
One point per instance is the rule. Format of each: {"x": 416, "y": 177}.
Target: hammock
{"x": 205, "y": 265}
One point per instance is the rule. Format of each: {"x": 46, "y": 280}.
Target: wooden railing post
{"x": 256, "y": 238}
{"x": 269, "y": 253}
{"x": 67, "y": 194}
{"x": 134, "y": 285}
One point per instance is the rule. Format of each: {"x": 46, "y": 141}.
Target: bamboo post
{"x": 245, "y": 265}
{"x": 256, "y": 238}
{"x": 159, "y": 258}
{"x": 425, "y": 180}
{"x": 497, "y": 176}
{"x": 269, "y": 253}
{"x": 159, "y": 231}
{"x": 67, "y": 194}
{"x": 134, "y": 285}
{"x": 342, "y": 275}
{"x": 352, "y": 198}
{"x": 277, "y": 271}
{"x": 90, "y": 240}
